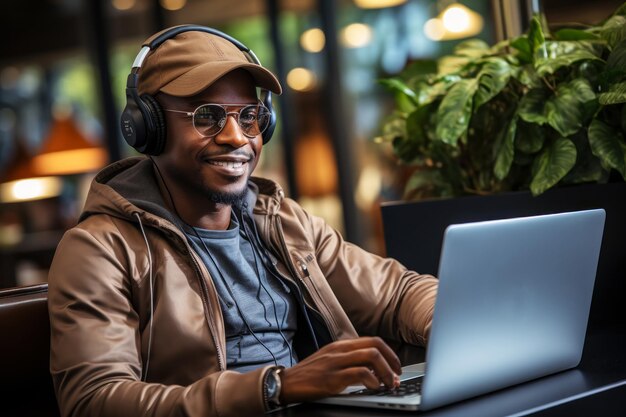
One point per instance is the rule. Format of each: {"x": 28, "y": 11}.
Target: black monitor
{"x": 413, "y": 233}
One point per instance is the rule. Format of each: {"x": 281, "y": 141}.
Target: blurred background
{"x": 63, "y": 68}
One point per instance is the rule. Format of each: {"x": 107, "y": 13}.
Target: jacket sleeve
{"x": 380, "y": 296}
{"x": 95, "y": 354}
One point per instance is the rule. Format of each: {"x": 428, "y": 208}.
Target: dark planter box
{"x": 413, "y": 234}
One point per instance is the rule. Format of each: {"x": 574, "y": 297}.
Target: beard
{"x": 231, "y": 196}
{"x": 227, "y": 198}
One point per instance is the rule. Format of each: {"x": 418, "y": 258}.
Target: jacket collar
{"x": 130, "y": 186}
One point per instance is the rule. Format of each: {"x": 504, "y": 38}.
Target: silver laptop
{"x": 513, "y": 305}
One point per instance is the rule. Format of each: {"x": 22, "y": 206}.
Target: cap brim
{"x": 199, "y": 78}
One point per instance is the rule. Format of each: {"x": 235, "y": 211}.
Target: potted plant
{"x": 537, "y": 111}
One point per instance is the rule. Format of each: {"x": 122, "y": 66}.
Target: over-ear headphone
{"x": 142, "y": 120}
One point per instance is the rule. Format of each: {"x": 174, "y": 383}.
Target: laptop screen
{"x": 513, "y": 302}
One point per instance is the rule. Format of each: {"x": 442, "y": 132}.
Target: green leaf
{"x": 588, "y": 167}
{"x": 417, "y": 126}
{"x": 454, "y": 113}
{"x": 529, "y": 137}
{"x": 568, "y": 34}
{"x": 398, "y": 86}
{"x": 405, "y": 149}
{"x": 617, "y": 58}
{"x": 419, "y": 68}
{"x": 536, "y": 38}
{"x": 563, "y": 54}
{"x": 614, "y": 30}
{"x": 506, "y": 151}
{"x": 451, "y": 64}
{"x": 608, "y": 144}
{"x": 427, "y": 93}
{"x": 615, "y": 95}
{"x": 566, "y": 109}
{"x": 552, "y": 164}
{"x": 472, "y": 48}
{"x": 492, "y": 78}
{"x": 531, "y": 106}
{"x": 528, "y": 77}
{"x": 426, "y": 183}
{"x": 522, "y": 45}
{"x": 394, "y": 126}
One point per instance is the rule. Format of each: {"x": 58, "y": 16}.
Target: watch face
{"x": 271, "y": 384}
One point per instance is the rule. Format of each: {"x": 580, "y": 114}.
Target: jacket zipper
{"x": 205, "y": 301}
{"x": 305, "y": 270}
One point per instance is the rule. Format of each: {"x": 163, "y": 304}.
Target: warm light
{"x": 368, "y": 188}
{"x": 455, "y": 22}
{"x": 456, "y": 19}
{"x": 123, "y": 4}
{"x": 66, "y": 150}
{"x": 433, "y": 29}
{"x": 30, "y": 189}
{"x": 70, "y": 162}
{"x": 301, "y": 79}
{"x": 316, "y": 174}
{"x": 377, "y": 4}
{"x": 313, "y": 40}
{"x": 356, "y": 35}
{"x": 173, "y": 4}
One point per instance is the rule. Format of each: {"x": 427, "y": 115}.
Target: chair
{"x": 25, "y": 353}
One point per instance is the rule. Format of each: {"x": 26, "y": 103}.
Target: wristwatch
{"x": 271, "y": 388}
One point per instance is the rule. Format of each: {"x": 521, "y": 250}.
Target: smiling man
{"x": 190, "y": 288}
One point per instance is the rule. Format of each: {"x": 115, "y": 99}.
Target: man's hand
{"x": 366, "y": 360}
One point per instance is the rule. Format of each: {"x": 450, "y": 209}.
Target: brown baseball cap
{"x": 191, "y": 61}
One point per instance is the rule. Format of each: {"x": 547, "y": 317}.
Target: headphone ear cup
{"x": 133, "y": 123}
{"x": 155, "y": 141}
{"x": 269, "y": 131}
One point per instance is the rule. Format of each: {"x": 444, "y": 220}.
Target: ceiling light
{"x": 313, "y": 40}
{"x": 301, "y": 79}
{"x": 173, "y": 5}
{"x": 456, "y": 21}
{"x": 123, "y": 4}
{"x": 456, "y": 18}
{"x": 377, "y": 4}
{"x": 21, "y": 182}
{"x": 434, "y": 29}
{"x": 356, "y": 35}
{"x": 67, "y": 151}
{"x": 30, "y": 189}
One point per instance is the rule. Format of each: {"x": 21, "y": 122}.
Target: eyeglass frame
{"x": 223, "y": 121}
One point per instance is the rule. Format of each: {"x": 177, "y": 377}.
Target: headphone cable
{"x": 214, "y": 263}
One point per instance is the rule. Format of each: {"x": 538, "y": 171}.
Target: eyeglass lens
{"x": 209, "y": 119}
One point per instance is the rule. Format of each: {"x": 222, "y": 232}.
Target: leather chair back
{"x": 25, "y": 353}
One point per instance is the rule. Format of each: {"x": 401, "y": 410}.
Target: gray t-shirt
{"x": 249, "y": 294}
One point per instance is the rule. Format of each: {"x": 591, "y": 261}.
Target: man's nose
{"x": 231, "y": 133}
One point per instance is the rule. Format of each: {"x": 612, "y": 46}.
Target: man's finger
{"x": 369, "y": 358}
{"x": 367, "y": 342}
{"x": 358, "y": 375}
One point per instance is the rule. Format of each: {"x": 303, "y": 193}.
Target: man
{"x": 191, "y": 288}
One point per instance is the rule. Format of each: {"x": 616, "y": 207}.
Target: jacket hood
{"x": 130, "y": 186}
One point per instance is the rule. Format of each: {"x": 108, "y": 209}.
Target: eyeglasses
{"x": 210, "y": 119}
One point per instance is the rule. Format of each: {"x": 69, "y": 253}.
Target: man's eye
{"x": 248, "y": 116}
{"x": 207, "y": 117}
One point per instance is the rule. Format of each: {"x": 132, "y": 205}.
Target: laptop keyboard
{"x": 411, "y": 386}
